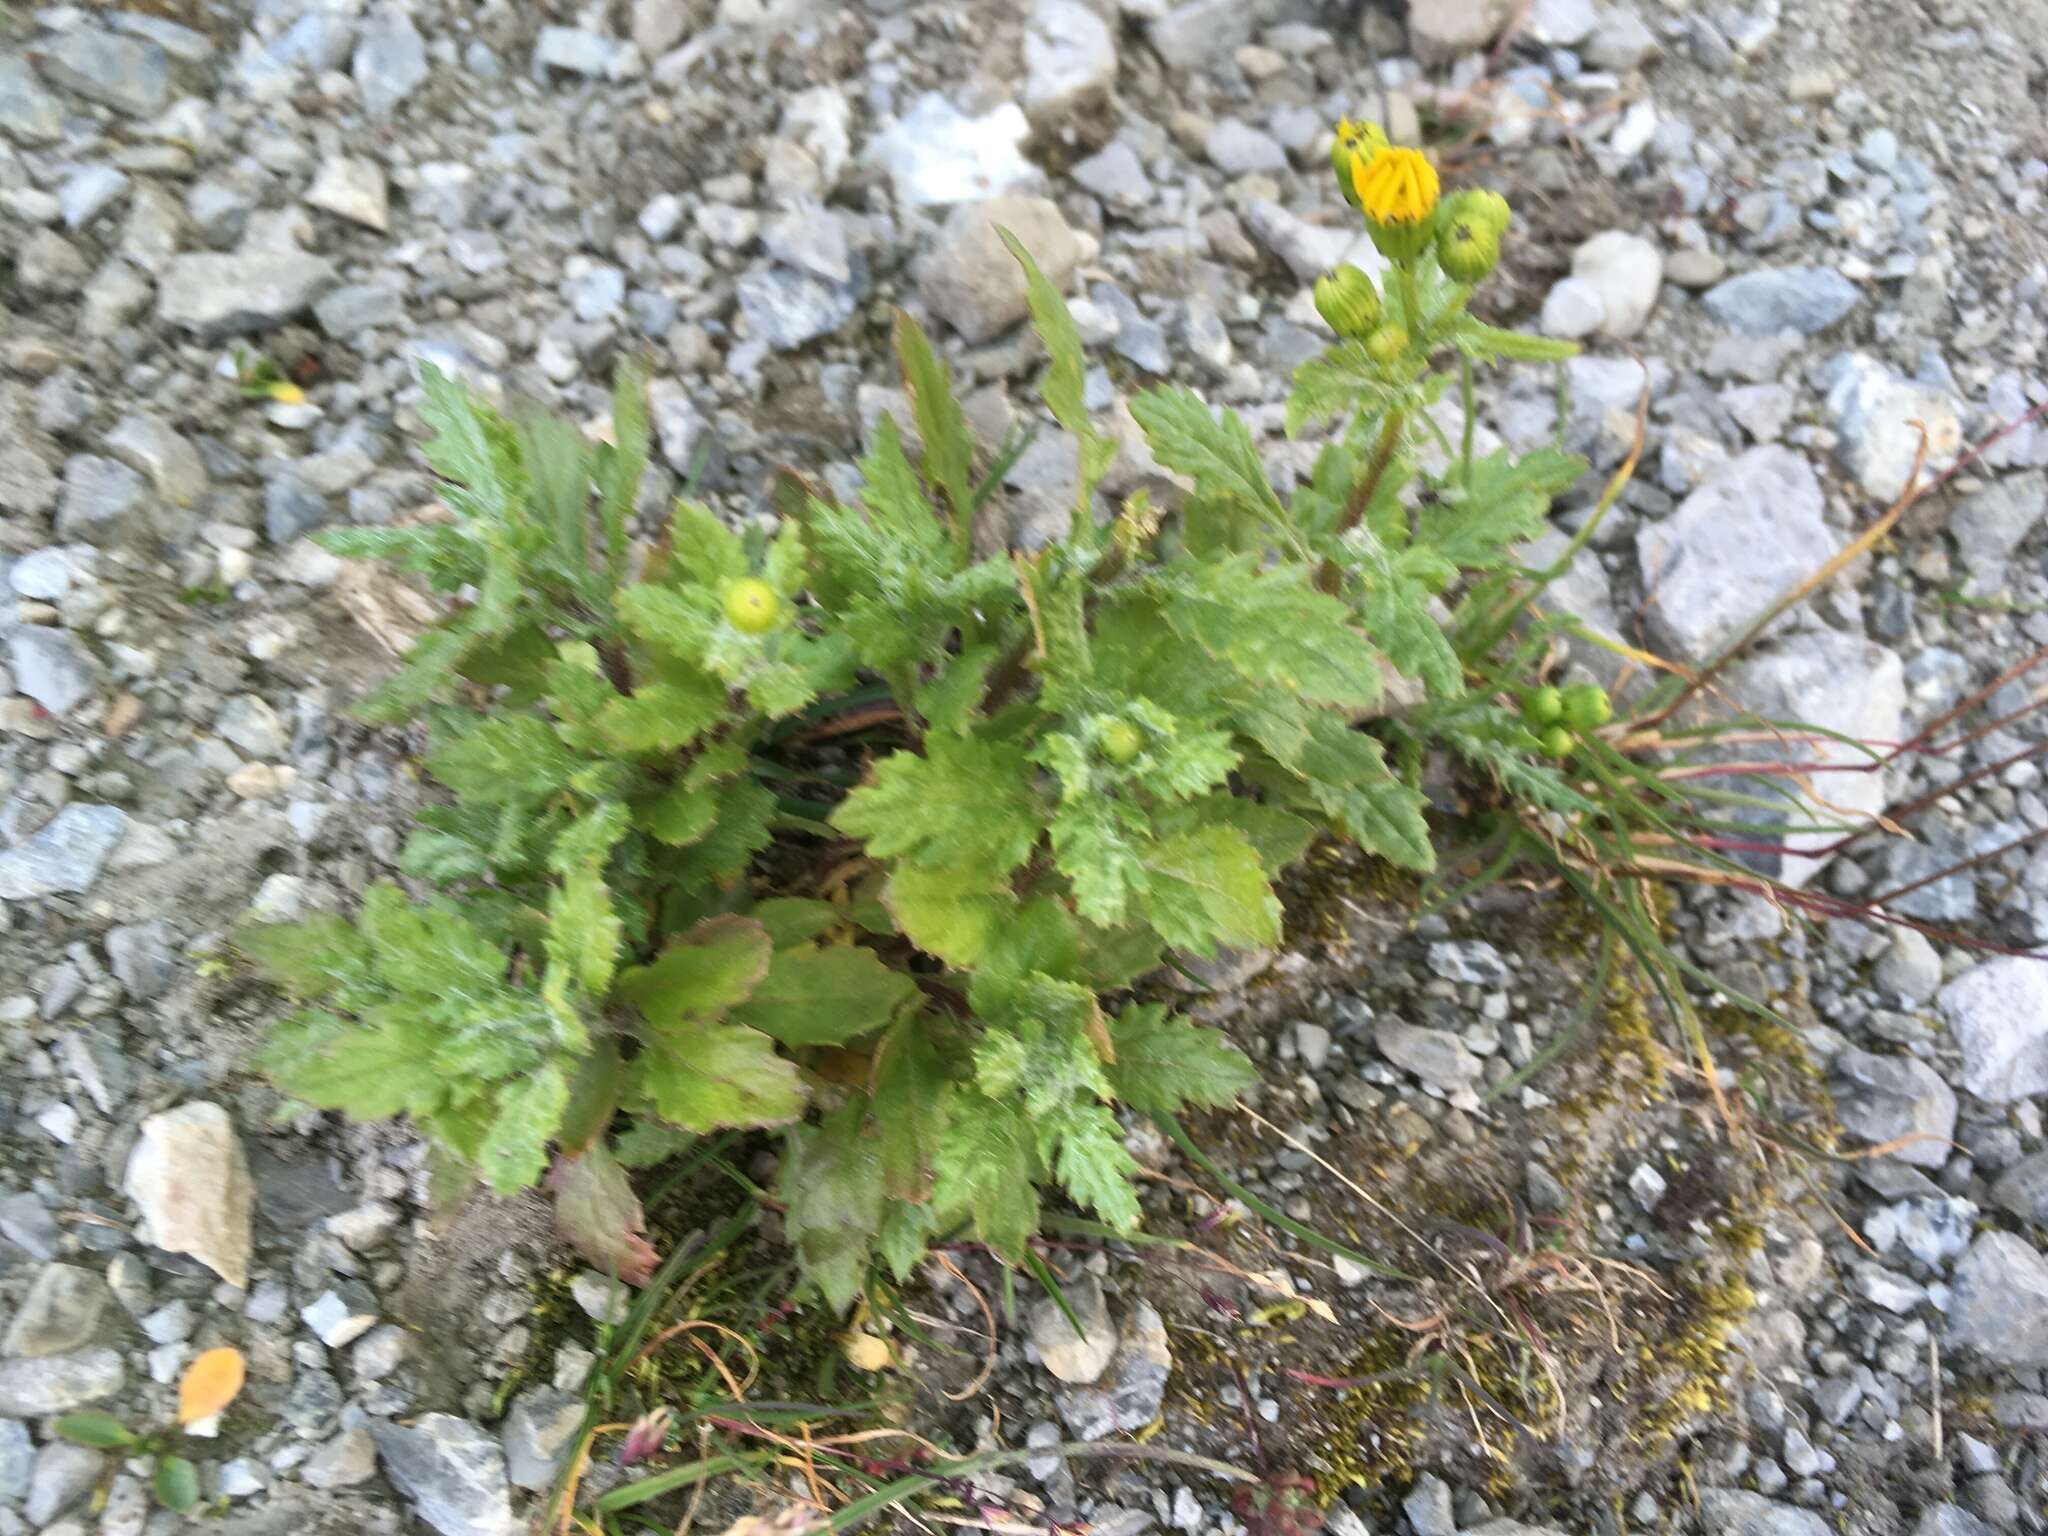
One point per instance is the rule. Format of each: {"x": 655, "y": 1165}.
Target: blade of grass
{"x": 1269, "y": 1213}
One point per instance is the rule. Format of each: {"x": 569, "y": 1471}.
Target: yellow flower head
{"x": 1356, "y": 144}
{"x": 1396, "y": 186}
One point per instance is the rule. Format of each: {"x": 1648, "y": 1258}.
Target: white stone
{"x": 352, "y": 188}
{"x": 1998, "y": 1013}
{"x": 936, "y": 155}
{"x": 1627, "y": 270}
{"x": 190, "y": 1178}
{"x": 1069, "y": 60}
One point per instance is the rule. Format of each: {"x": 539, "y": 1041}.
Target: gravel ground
{"x": 1803, "y": 226}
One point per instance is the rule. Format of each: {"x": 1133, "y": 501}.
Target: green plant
{"x": 209, "y": 1384}
{"x": 844, "y": 829}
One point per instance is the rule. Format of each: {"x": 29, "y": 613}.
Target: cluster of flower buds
{"x": 1397, "y": 191}
{"x": 1560, "y": 715}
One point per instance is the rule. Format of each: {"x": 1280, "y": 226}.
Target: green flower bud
{"x": 1557, "y": 741}
{"x": 1487, "y": 207}
{"x": 1121, "y": 742}
{"x": 1587, "y": 707}
{"x": 1348, "y": 302}
{"x": 1467, "y": 248}
{"x": 1388, "y": 344}
{"x": 1544, "y": 706}
{"x": 752, "y": 606}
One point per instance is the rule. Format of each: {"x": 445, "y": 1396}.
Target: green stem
{"x": 1471, "y": 415}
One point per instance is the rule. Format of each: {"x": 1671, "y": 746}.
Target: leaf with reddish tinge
{"x": 598, "y": 1213}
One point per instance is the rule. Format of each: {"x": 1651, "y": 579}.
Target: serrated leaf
{"x": 905, "y": 1235}
{"x": 514, "y": 1151}
{"x": 590, "y": 838}
{"x": 506, "y": 760}
{"x": 176, "y": 1484}
{"x": 1337, "y": 381}
{"x": 584, "y": 932}
{"x": 949, "y": 912}
{"x": 683, "y": 624}
{"x": 909, "y": 1109}
{"x": 987, "y": 1173}
{"x": 367, "y": 1071}
{"x": 825, "y": 996}
{"x": 622, "y": 465}
{"x": 893, "y": 493}
{"x": 1096, "y": 843}
{"x": 1274, "y": 628}
{"x": 967, "y": 802}
{"x": 795, "y": 920}
{"x": 702, "y": 973}
{"x": 1218, "y": 454}
{"x": 428, "y": 948}
{"x": 1507, "y": 501}
{"x": 648, "y": 1142}
{"x": 600, "y": 1216}
{"x": 212, "y": 1381}
{"x": 715, "y": 1077}
{"x": 1394, "y": 599}
{"x": 97, "y": 1430}
{"x": 1165, "y": 1063}
{"x": 679, "y": 815}
{"x": 461, "y": 450}
{"x": 1348, "y": 777}
{"x": 948, "y": 444}
{"x": 1207, "y": 886}
{"x": 831, "y": 1189}
{"x": 1065, "y": 385}
{"x": 557, "y": 463}
{"x": 742, "y": 827}
{"x": 1094, "y": 1166}
{"x": 308, "y": 958}
{"x": 951, "y": 700}
{"x": 660, "y": 717}
{"x": 442, "y": 858}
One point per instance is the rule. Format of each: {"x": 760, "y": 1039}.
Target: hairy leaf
{"x": 1218, "y": 454}
{"x": 1064, "y": 386}
{"x": 584, "y": 932}
{"x": 1274, "y": 628}
{"x": 1165, "y": 1063}
{"x": 368, "y": 1071}
{"x": 1095, "y": 1167}
{"x": 967, "y": 803}
{"x": 663, "y": 716}
{"x": 1207, "y": 886}
{"x": 514, "y": 1152}
{"x": 308, "y": 958}
{"x": 986, "y": 1173}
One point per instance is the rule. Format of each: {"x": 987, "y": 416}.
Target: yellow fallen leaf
{"x": 209, "y": 1384}
{"x": 865, "y": 1352}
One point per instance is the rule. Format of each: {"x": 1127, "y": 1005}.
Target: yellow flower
{"x": 1356, "y": 144}
{"x": 1396, "y": 186}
